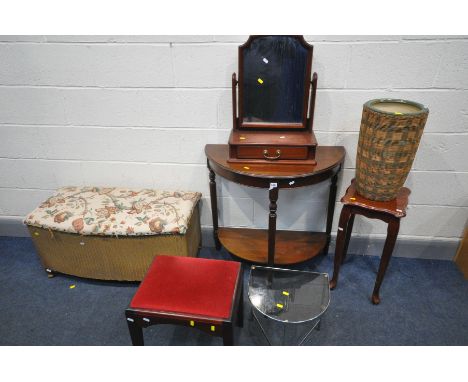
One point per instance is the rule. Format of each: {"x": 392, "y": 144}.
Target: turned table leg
{"x": 214, "y": 207}
{"x": 273, "y": 195}
{"x": 392, "y": 233}
{"x": 330, "y": 210}
{"x": 340, "y": 243}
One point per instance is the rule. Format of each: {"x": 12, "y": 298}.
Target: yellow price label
{"x": 286, "y": 293}
{"x": 279, "y": 306}
{"x": 192, "y": 323}
{"x": 260, "y": 81}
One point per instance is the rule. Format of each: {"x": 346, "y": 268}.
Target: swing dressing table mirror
{"x": 273, "y": 102}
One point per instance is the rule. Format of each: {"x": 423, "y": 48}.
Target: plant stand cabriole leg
{"x": 340, "y": 244}
{"x": 349, "y": 230}
{"x": 392, "y": 233}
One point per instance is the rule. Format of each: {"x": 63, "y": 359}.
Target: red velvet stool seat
{"x": 201, "y": 293}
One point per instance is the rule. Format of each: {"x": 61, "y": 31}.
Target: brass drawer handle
{"x": 265, "y": 155}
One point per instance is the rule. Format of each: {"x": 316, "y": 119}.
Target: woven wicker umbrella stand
{"x": 388, "y": 140}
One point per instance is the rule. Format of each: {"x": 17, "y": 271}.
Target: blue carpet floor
{"x": 424, "y": 302}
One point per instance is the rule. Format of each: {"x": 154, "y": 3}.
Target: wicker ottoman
{"x": 113, "y": 233}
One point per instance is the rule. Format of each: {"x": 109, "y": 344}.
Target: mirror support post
{"x": 234, "y": 101}
{"x": 310, "y": 125}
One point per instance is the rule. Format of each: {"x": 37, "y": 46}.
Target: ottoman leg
{"x": 136, "y": 333}
{"x": 50, "y": 273}
{"x": 392, "y": 233}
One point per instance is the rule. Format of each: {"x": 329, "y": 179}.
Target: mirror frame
{"x": 307, "y": 85}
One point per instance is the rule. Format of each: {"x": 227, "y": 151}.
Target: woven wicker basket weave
{"x": 388, "y": 141}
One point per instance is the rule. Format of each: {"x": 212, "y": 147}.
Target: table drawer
{"x": 272, "y": 152}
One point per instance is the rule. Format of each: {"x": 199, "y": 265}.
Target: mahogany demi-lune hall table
{"x": 271, "y": 246}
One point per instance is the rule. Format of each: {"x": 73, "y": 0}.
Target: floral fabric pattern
{"x": 115, "y": 211}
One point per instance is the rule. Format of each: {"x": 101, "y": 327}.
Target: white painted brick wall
{"x": 104, "y": 65}
{"x": 137, "y": 111}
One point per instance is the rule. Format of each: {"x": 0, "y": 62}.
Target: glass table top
{"x": 287, "y": 295}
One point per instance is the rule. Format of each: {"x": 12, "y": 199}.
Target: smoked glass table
{"x": 287, "y": 304}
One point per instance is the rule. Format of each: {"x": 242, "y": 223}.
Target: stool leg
{"x": 136, "y": 333}
{"x": 349, "y": 230}
{"x": 392, "y": 233}
{"x": 228, "y": 334}
{"x": 240, "y": 310}
{"x": 340, "y": 243}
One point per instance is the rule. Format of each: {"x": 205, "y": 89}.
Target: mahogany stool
{"x": 200, "y": 293}
{"x": 390, "y": 212}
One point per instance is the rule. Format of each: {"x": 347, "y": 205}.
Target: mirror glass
{"x": 274, "y": 77}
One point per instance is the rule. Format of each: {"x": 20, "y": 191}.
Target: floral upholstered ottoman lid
{"x": 115, "y": 211}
